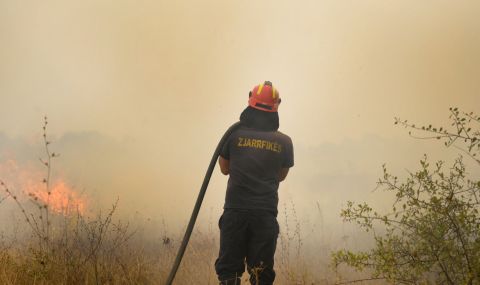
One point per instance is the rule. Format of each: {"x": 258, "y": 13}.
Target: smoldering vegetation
{"x": 56, "y": 232}
{"x": 101, "y": 248}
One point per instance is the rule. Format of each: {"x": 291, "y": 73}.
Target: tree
{"x": 432, "y": 234}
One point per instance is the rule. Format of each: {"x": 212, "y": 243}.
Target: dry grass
{"x": 71, "y": 247}
{"x": 104, "y": 250}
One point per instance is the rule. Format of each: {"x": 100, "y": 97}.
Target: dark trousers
{"x": 247, "y": 236}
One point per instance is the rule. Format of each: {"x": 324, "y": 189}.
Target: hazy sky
{"x": 139, "y": 92}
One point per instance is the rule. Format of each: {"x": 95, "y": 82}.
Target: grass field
{"x": 50, "y": 236}
{"x": 77, "y": 248}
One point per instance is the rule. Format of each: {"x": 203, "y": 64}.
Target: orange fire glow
{"x": 63, "y": 200}
{"x": 28, "y": 180}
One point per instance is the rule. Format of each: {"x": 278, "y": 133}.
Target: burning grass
{"x": 57, "y": 239}
{"x": 102, "y": 250}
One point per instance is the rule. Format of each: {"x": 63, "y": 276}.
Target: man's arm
{"x": 224, "y": 165}
{"x": 287, "y": 161}
{"x": 283, "y": 174}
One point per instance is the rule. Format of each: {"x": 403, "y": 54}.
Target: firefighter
{"x": 257, "y": 158}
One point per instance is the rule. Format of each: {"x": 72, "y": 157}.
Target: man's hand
{"x": 224, "y": 165}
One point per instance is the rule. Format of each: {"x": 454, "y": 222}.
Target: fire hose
{"x": 198, "y": 204}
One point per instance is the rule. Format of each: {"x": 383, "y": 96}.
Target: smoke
{"x": 139, "y": 94}
{"x": 106, "y": 168}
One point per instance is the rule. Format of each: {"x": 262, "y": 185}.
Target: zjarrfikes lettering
{"x": 259, "y": 144}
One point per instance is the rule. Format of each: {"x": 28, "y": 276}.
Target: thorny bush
{"x": 432, "y": 234}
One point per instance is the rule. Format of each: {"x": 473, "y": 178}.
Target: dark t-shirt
{"x": 256, "y": 158}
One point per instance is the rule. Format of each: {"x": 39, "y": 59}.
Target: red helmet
{"x": 264, "y": 97}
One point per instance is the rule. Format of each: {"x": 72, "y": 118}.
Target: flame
{"x": 60, "y": 199}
